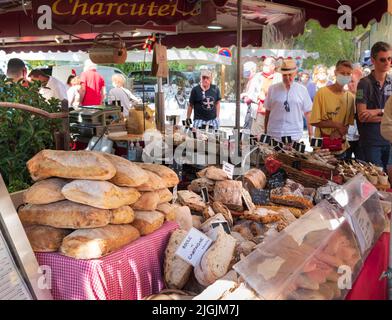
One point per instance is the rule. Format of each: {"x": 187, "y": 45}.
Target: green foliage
{"x": 23, "y": 134}
{"x": 332, "y": 43}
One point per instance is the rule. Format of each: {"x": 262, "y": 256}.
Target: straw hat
{"x": 288, "y": 66}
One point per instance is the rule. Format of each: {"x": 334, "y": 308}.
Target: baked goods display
{"x": 88, "y": 204}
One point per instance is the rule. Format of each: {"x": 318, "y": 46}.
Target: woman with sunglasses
{"x": 286, "y": 104}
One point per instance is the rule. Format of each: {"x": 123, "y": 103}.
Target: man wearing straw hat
{"x": 286, "y": 103}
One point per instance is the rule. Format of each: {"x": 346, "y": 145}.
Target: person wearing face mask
{"x": 333, "y": 110}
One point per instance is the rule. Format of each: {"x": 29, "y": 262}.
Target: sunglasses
{"x": 383, "y": 60}
{"x": 286, "y": 103}
{"x": 205, "y": 77}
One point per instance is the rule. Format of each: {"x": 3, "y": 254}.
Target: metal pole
{"x": 160, "y": 102}
{"x": 238, "y": 80}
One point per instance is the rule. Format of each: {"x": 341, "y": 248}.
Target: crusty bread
{"x": 197, "y": 184}
{"x": 147, "y": 202}
{"x": 128, "y": 173}
{"x": 229, "y": 193}
{"x": 176, "y": 270}
{"x": 164, "y": 195}
{"x": 70, "y": 165}
{"x": 45, "y": 191}
{"x": 197, "y": 221}
{"x": 95, "y": 243}
{"x": 64, "y": 214}
{"x": 100, "y": 194}
{"x": 216, "y": 174}
{"x": 255, "y": 178}
{"x": 169, "y": 210}
{"x": 148, "y": 221}
{"x": 154, "y": 183}
{"x": 192, "y": 200}
{"x": 184, "y": 217}
{"x": 168, "y": 175}
{"x": 45, "y": 238}
{"x": 216, "y": 260}
{"x": 202, "y": 173}
{"x": 219, "y": 207}
{"x": 123, "y": 215}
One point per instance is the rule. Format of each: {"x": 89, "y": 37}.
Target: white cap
{"x": 250, "y": 65}
{"x": 206, "y": 73}
{"x": 89, "y": 65}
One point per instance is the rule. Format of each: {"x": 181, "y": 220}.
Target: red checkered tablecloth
{"x": 131, "y": 273}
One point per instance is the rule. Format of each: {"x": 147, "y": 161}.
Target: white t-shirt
{"x": 282, "y": 123}
{"x": 54, "y": 89}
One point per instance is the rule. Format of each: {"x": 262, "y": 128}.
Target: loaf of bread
{"x": 169, "y": 210}
{"x": 100, "y": 194}
{"x": 197, "y": 184}
{"x": 95, "y": 243}
{"x": 70, "y": 165}
{"x": 192, "y": 200}
{"x": 168, "y": 175}
{"x": 219, "y": 207}
{"x": 128, "y": 174}
{"x": 64, "y": 214}
{"x": 45, "y": 238}
{"x": 148, "y": 221}
{"x": 176, "y": 270}
{"x": 197, "y": 221}
{"x": 229, "y": 193}
{"x": 147, "y": 202}
{"x": 123, "y": 215}
{"x": 255, "y": 178}
{"x": 164, "y": 195}
{"x": 45, "y": 191}
{"x": 216, "y": 174}
{"x": 184, "y": 218}
{"x": 154, "y": 183}
{"x": 216, "y": 261}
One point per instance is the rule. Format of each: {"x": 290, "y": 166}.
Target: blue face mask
{"x": 343, "y": 80}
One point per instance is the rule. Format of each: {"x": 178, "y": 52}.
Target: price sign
{"x": 277, "y": 180}
{"x": 316, "y": 142}
{"x": 265, "y": 139}
{"x": 260, "y": 196}
{"x": 204, "y": 194}
{"x": 229, "y": 169}
{"x": 287, "y": 140}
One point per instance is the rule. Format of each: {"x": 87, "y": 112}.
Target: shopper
{"x": 286, "y": 103}
{"x": 51, "y": 87}
{"x": 119, "y": 93}
{"x": 73, "y": 93}
{"x": 204, "y": 102}
{"x": 16, "y": 70}
{"x": 93, "y": 85}
{"x": 333, "y": 110}
{"x": 372, "y": 94}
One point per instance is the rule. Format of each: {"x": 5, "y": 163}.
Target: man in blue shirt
{"x": 372, "y": 94}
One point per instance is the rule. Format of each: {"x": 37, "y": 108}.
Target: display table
{"x": 131, "y": 273}
{"x": 368, "y": 286}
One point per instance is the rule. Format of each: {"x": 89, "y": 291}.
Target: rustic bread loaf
{"x": 216, "y": 174}
{"x": 176, "y": 270}
{"x": 197, "y": 221}
{"x": 70, "y": 165}
{"x": 147, "y": 202}
{"x": 148, "y": 221}
{"x": 123, "y": 215}
{"x": 95, "y": 243}
{"x": 164, "y": 195}
{"x": 197, "y": 184}
{"x": 192, "y": 200}
{"x": 64, "y": 214}
{"x": 45, "y": 238}
{"x": 183, "y": 217}
{"x": 219, "y": 207}
{"x": 255, "y": 178}
{"x": 229, "y": 193}
{"x": 168, "y": 175}
{"x": 100, "y": 194}
{"x": 45, "y": 191}
{"x": 154, "y": 183}
{"x": 128, "y": 173}
{"x": 169, "y": 210}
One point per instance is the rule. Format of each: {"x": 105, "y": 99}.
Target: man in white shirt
{"x": 286, "y": 104}
{"x": 51, "y": 87}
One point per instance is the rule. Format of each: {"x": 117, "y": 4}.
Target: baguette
{"x": 45, "y": 191}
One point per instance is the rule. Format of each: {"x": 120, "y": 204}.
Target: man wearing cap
{"x": 205, "y": 102}
{"x": 286, "y": 103}
{"x": 93, "y": 85}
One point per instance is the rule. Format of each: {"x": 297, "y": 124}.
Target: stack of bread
{"x": 87, "y": 204}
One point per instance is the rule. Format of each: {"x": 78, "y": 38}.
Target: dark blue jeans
{"x": 378, "y": 155}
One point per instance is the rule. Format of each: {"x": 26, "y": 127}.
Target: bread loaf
{"x": 70, "y": 165}
{"x": 219, "y": 207}
{"x": 168, "y": 175}
{"x": 176, "y": 270}
{"x": 255, "y": 178}
{"x": 169, "y": 210}
{"x": 123, "y": 215}
{"x": 197, "y": 221}
{"x": 128, "y": 174}
{"x": 100, "y": 194}
{"x": 147, "y": 202}
{"x": 44, "y": 238}
{"x": 184, "y": 218}
{"x": 148, "y": 221}
{"x": 192, "y": 200}
{"x": 154, "y": 183}
{"x": 229, "y": 193}
{"x": 197, "y": 184}
{"x": 164, "y": 195}
{"x": 216, "y": 260}
{"x": 45, "y": 191}
{"x": 216, "y": 174}
{"x": 64, "y": 214}
{"x": 95, "y": 243}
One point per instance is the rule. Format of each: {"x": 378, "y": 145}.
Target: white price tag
{"x": 174, "y": 194}
{"x": 229, "y": 169}
{"x": 363, "y": 228}
{"x": 193, "y": 247}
